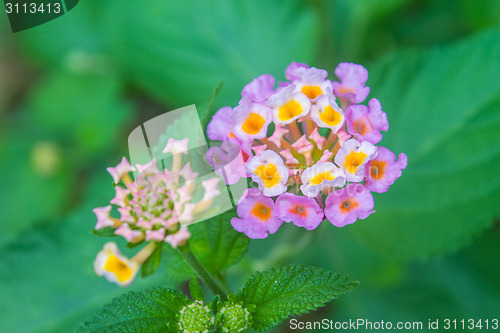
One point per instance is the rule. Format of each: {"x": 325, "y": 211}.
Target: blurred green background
{"x": 71, "y": 90}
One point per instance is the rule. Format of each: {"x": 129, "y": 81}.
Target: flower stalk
{"x": 201, "y": 271}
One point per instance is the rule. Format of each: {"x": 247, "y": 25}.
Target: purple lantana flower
{"x": 219, "y": 128}
{"x": 346, "y": 205}
{"x": 302, "y": 142}
{"x": 365, "y": 123}
{"x": 383, "y": 171}
{"x": 259, "y": 89}
{"x": 257, "y": 215}
{"x": 302, "y": 211}
{"x": 352, "y": 82}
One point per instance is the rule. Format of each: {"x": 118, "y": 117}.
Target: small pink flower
{"x": 302, "y": 211}
{"x": 259, "y": 89}
{"x": 257, "y": 215}
{"x": 289, "y": 159}
{"x": 149, "y": 168}
{"x": 277, "y": 135}
{"x": 179, "y": 238}
{"x": 302, "y": 145}
{"x": 317, "y": 138}
{"x": 210, "y": 186}
{"x": 326, "y": 157}
{"x": 176, "y": 146}
{"x": 155, "y": 235}
{"x": 126, "y": 214}
{"x": 187, "y": 173}
{"x": 123, "y": 168}
{"x": 382, "y": 171}
{"x": 259, "y": 149}
{"x": 346, "y": 205}
{"x": 352, "y": 82}
{"x": 120, "y": 196}
{"x": 103, "y": 218}
{"x": 365, "y": 123}
{"x": 187, "y": 213}
{"x": 132, "y": 236}
{"x": 343, "y": 136}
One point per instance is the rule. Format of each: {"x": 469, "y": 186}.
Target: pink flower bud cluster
{"x": 308, "y": 145}
{"x": 157, "y": 207}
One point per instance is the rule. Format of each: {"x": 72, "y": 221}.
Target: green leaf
{"x": 153, "y": 262}
{"x": 230, "y": 41}
{"x": 216, "y": 244}
{"x": 442, "y": 106}
{"x": 290, "y": 290}
{"x": 153, "y": 310}
{"x": 196, "y": 292}
{"x": 104, "y": 232}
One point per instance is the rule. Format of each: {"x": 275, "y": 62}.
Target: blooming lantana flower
{"x": 309, "y": 147}
{"x": 257, "y": 215}
{"x": 157, "y": 207}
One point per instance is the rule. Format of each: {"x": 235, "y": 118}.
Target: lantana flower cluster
{"x": 309, "y": 145}
{"x": 156, "y": 207}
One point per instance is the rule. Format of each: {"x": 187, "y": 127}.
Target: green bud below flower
{"x": 234, "y": 318}
{"x": 195, "y": 318}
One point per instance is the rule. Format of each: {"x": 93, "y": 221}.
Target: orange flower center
{"x": 299, "y": 210}
{"x": 261, "y": 211}
{"x": 377, "y": 169}
{"x": 347, "y": 205}
{"x": 253, "y": 124}
{"x": 360, "y": 127}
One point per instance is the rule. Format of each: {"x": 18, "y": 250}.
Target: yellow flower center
{"x": 354, "y": 160}
{"x": 290, "y": 110}
{"x": 330, "y": 117}
{"x": 269, "y": 174}
{"x": 312, "y": 91}
{"x": 320, "y": 177}
{"x": 253, "y": 124}
{"x": 261, "y": 211}
{"x": 114, "y": 265}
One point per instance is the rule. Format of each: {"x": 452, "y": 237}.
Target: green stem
{"x": 201, "y": 271}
